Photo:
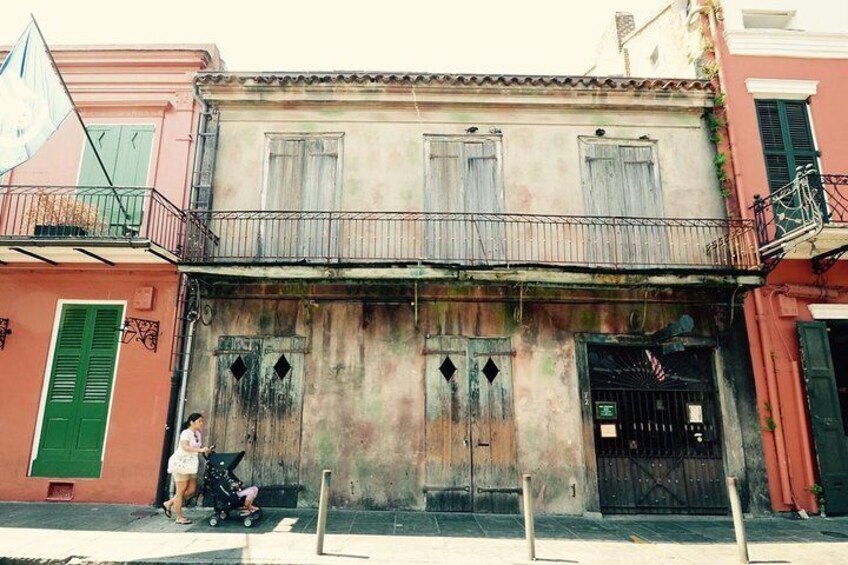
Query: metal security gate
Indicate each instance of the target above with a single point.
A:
(656, 429)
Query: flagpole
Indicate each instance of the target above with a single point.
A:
(82, 123)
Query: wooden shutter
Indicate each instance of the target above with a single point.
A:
(125, 151)
(483, 195)
(642, 193)
(77, 403)
(280, 235)
(825, 414)
(444, 193)
(786, 138)
(603, 186)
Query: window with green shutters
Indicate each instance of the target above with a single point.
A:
(787, 139)
(125, 152)
(76, 407)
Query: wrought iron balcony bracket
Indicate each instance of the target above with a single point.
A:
(144, 331)
(4, 331)
(822, 263)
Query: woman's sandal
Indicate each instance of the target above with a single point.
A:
(184, 522)
(167, 510)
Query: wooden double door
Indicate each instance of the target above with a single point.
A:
(470, 426)
(258, 409)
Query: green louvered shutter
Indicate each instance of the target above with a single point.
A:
(825, 415)
(77, 404)
(787, 139)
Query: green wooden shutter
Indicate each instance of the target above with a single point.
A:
(125, 151)
(77, 404)
(825, 415)
(787, 139)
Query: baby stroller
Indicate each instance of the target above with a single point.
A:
(220, 487)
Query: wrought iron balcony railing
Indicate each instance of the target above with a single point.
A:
(799, 211)
(472, 240)
(72, 215)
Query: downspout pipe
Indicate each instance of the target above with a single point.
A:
(176, 397)
(773, 399)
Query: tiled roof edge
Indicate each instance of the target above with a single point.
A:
(564, 81)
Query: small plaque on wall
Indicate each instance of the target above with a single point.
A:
(609, 430)
(606, 410)
(694, 413)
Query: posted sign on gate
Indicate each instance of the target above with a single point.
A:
(606, 410)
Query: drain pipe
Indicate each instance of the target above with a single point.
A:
(773, 398)
(176, 398)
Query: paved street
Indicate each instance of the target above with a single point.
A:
(82, 533)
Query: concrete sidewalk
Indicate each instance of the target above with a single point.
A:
(81, 533)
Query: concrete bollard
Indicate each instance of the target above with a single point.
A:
(738, 524)
(529, 527)
(322, 510)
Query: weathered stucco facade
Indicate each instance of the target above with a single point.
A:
(366, 366)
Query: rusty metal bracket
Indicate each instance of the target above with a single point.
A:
(427, 489)
(4, 331)
(500, 490)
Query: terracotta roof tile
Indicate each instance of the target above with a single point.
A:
(449, 79)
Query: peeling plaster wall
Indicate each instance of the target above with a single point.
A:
(363, 414)
(383, 165)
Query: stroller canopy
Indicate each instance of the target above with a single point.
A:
(228, 461)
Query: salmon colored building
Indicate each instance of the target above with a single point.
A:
(784, 69)
(88, 279)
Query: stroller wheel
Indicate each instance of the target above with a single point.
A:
(222, 514)
(248, 522)
(213, 521)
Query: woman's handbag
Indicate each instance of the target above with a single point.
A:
(182, 462)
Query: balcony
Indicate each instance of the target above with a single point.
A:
(806, 219)
(469, 242)
(81, 224)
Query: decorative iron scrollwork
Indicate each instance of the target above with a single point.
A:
(145, 331)
(4, 331)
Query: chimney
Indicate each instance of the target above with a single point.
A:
(624, 25)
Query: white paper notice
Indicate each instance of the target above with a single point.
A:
(696, 413)
(609, 430)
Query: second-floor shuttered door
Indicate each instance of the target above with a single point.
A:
(125, 152)
(787, 139)
(463, 178)
(304, 179)
(787, 145)
(621, 184)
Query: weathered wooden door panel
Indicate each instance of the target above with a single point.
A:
(470, 426)
(276, 449)
(447, 435)
(825, 415)
(494, 475)
(233, 425)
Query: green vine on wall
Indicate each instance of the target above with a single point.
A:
(771, 425)
(818, 491)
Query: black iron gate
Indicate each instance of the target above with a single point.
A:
(657, 430)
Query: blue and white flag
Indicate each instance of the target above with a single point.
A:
(33, 101)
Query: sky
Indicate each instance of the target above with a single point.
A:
(528, 36)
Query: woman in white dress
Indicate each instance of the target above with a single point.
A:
(183, 465)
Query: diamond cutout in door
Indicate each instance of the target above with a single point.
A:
(490, 370)
(282, 367)
(447, 368)
(238, 368)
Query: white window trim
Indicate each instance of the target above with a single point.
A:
(829, 311)
(762, 88)
(60, 305)
(787, 43)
